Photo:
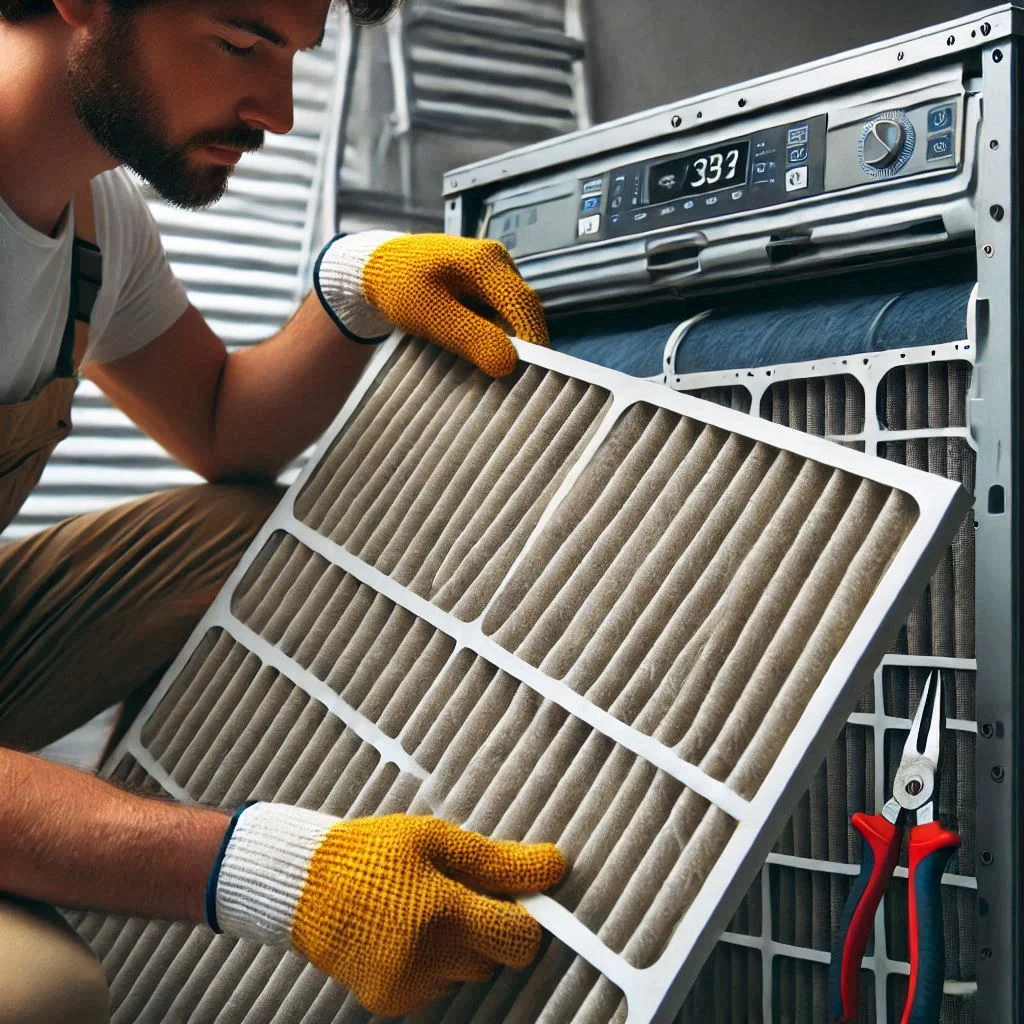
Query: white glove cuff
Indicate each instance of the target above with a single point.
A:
(264, 870)
(338, 279)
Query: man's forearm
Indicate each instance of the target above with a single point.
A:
(277, 398)
(73, 840)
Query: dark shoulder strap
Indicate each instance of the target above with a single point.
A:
(86, 278)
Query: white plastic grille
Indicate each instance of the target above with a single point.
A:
(630, 642)
(908, 406)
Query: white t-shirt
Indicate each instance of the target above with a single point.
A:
(139, 299)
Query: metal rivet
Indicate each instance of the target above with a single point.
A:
(997, 56)
(987, 728)
(899, 56)
(988, 251)
(914, 786)
(985, 28)
(676, 120)
(950, 40)
(998, 774)
(986, 857)
(996, 212)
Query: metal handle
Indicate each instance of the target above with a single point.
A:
(685, 247)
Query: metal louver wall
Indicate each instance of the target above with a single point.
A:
(909, 406)
(246, 264)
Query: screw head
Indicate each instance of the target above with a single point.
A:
(985, 28)
(986, 953)
(988, 251)
(987, 730)
(986, 857)
(994, 144)
(950, 40)
(676, 120)
(899, 56)
(997, 56)
(996, 212)
(998, 774)
(914, 786)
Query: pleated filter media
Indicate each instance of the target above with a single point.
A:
(568, 606)
(909, 406)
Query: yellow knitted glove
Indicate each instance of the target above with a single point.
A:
(391, 907)
(453, 291)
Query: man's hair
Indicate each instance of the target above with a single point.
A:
(363, 12)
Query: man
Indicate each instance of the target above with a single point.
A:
(92, 610)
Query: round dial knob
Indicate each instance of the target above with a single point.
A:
(883, 143)
(886, 144)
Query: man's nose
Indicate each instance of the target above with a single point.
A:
(272, 109)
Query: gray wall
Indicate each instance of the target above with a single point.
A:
(643, 53)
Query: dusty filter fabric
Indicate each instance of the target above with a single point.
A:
(562, 606)
(818, 847)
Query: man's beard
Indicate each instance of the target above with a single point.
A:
(113, 100)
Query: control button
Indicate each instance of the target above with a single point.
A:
(796, 179)
(764, 166)
(593, 185)
(637, 217)
(738, 194)
(617, 188)
(796, 155)
(940, 146)
(615, 218)
(589, 225)
(711, 200)
(688, 205)
(666, 210)
(883, 143)
(940, 118)
(797, 136)
(591, 203)
(616, 202)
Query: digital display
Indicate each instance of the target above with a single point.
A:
(524, 230)
(698, 172)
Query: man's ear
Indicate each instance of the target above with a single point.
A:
(76, 13)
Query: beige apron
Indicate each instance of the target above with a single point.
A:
(94, 608)
(30, 430)
(91, 612)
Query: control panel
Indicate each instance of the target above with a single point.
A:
(794, 160)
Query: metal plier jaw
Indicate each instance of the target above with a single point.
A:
(929, 848)
(913, 790)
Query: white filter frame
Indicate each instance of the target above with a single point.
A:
(654, 993)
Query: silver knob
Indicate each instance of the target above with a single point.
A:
(883, 143)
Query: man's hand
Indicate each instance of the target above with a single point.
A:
(453, 291)
(391, 907)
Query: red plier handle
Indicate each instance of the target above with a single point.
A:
(881, 852)
(930, 848)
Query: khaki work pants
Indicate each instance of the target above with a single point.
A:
(92, 611)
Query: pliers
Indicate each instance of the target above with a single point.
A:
(930, 847)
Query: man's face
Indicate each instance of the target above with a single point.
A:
(178, 90)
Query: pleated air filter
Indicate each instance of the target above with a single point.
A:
(910, 406)
(567, 606)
